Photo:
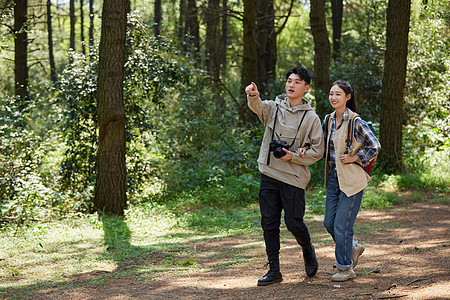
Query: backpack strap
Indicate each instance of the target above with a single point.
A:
(326, 123)
(350, 136)
(350, 132)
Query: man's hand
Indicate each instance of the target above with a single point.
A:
(251, 89)
(288, 155)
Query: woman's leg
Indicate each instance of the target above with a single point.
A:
(347, 210)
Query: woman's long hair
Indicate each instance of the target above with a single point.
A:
(348, 90)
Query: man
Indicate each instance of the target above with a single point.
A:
(290, 123)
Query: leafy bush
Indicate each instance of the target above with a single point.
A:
(149, 72)
(25, 194)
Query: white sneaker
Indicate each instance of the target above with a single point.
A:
(343, 275)
(356, 253)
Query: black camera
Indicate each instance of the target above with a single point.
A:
(276, 146)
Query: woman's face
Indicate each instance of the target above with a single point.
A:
(338, 98)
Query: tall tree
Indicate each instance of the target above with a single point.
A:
(110, 186)
(263, 27)
(72, 24)
(337, 8)
(192, 26)
(224, 37)
(192, 23)
(158, 18)
(182, 30)
(249, 65)
(91, 23)
(83, 46)
(20, 49)
(322, 55)
(50, 42)
(394, 79)
(212, 48)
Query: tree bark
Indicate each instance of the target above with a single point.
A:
(72, 24)
(20, 50)
(337, 8)
(83, 46)
(213, 50)
(182, 25)
(394, 80)
(224, 37)
(158, 18)
(50, 42)
(322, 55)
(110, 187)
(271, 47)
(249, 65)
(192, 22)
(262, 33)
(91, 24)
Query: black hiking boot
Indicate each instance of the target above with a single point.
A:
(311, 263)
(273, 276)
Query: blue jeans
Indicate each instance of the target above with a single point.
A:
(340, 216)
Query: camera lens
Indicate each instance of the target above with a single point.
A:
(278, 152)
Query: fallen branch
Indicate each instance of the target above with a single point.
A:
(418, 279)
(392, 297)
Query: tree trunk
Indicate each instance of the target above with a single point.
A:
(322, 55)
(72, 25)
(394, 80)
(50, 42)
(91, 24)
(224, 37)
(213, 49)
(262, 33)
(249, 66)
(271, 47)
(337, 7)
(182, 25)
(212, 39)
(110, 186)
(83, 47)
(20, 50)
(158, 18)
(193, 28)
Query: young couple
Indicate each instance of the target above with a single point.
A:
(293, 140)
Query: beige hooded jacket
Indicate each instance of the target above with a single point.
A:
(294, 172)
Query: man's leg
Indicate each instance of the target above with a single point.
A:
(293, 199)
(270, 207)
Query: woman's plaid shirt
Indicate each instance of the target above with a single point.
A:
(363, 134)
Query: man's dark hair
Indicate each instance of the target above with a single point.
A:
(301, 72)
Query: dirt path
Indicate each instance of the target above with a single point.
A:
(407, 257)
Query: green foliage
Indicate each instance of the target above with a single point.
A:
(428, 82)
(229, 193)
(149, 72)
(203, 145)
(25, 194)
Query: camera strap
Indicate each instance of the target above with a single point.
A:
(273, 131)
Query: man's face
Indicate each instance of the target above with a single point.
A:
(296, 87)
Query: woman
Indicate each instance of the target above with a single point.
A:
(345, 178)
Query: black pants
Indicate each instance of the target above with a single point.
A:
(274, 196)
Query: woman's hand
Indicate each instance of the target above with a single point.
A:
(348, 159)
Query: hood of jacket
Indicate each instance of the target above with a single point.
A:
(283, 101)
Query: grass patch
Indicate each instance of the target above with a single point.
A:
(148, 243)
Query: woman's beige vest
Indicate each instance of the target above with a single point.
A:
(352, 178)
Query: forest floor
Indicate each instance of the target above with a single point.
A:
(407, 256)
